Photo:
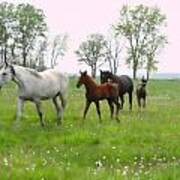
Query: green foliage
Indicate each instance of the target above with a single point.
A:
(114, 48)
(92, 52)
(145, 145)
(59, 47)
(20, 28)
(31, 25)
(142, 26)
(7, 27)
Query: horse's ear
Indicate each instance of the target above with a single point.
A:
(80, 72)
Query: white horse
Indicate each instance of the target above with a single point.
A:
(36, 86)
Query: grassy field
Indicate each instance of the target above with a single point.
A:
(144, 145)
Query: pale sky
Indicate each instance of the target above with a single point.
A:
(80, 18)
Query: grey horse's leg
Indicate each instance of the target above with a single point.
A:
(20, 104)
(63, 100)
(58, 109)
(39, 110)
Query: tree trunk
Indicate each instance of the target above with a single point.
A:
(148, 69)
(134, 71)
(24, 58)
(134, 74)
(93, 71)
(5, 53)
(135, 67)
(115, 67)
(13, 52)
(110, 65)
(52, 63)
(2, 54)
(147, 74)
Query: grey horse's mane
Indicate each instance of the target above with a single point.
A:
(33, 72)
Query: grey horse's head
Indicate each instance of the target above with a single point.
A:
(6, 73)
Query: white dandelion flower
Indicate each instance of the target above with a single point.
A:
(5, 161)
(99, 164)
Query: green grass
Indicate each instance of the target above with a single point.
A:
(144, 145)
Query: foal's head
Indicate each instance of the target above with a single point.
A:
(105, 76)
(6, 73)
(144, 81)
(82, 79)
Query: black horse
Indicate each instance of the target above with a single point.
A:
(124, 82)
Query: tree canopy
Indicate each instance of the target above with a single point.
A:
(139, 24)
(92, 52)
(20, 28)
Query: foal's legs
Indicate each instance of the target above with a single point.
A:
(144, 102)
(111, 107)
(19, 108)
(58, 109)
(86, 108)
(98, 109)
(139, 101)
(39, 110)
(118, 105)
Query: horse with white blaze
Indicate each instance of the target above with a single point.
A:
(36, 86)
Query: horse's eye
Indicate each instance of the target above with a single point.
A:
(4, 74)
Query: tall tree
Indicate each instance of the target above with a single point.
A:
(151, 50)
(138, 24)
(31, 25)
(92, 52)
(59, 47)
(114, 48)
(6, 27)
(40, 55)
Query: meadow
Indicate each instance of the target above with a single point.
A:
(144, 145)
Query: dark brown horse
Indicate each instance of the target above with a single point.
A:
(124, 82)
(141, 93)
(95, 93)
